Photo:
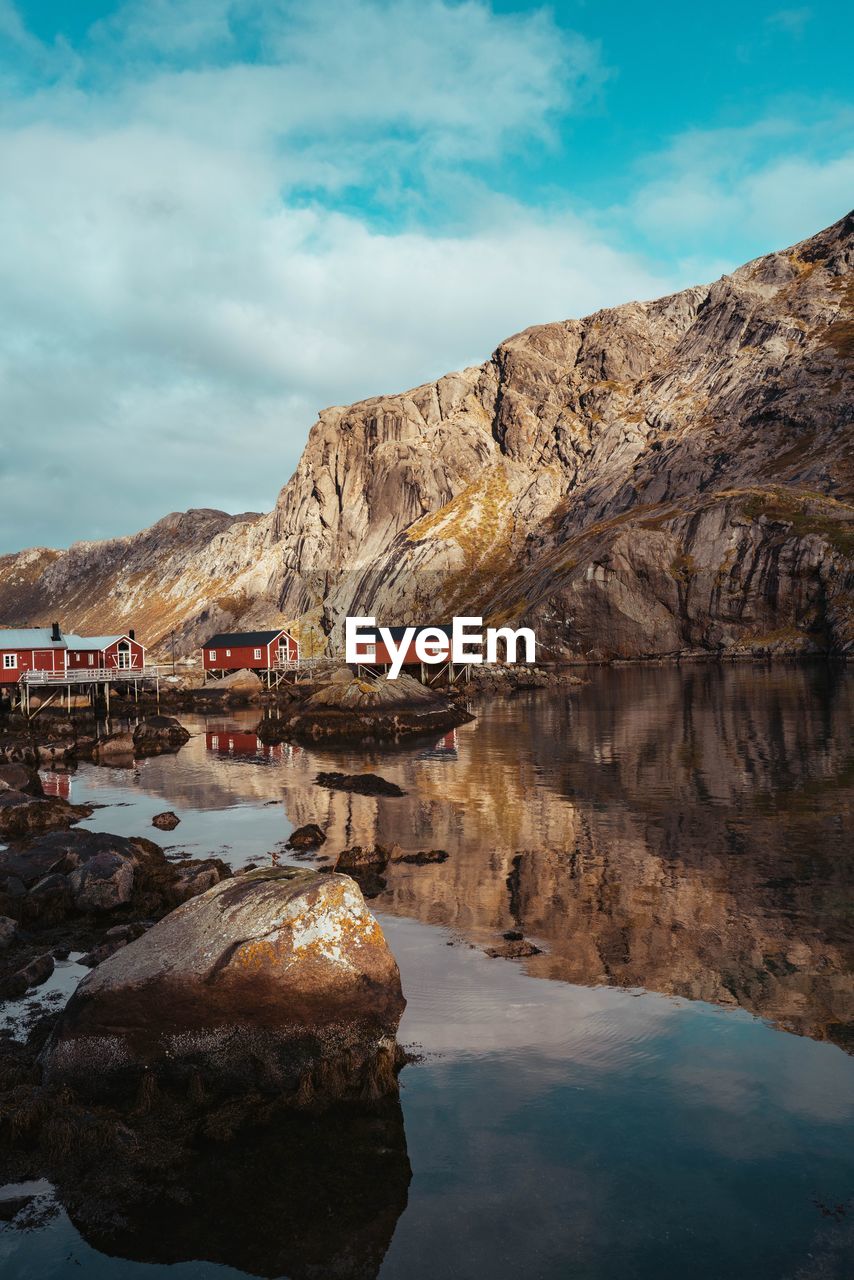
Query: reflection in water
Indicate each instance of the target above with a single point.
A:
(690, 834)
(305, 1197)
(679, 842)
(685, 832)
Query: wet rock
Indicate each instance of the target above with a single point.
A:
(8, 932)
(515, 948)
(423, 857)
(104, 882)
(196, 879)
(32, 975)
(158, 735)
(48, 901)
(309, 836)
(350, 859)
(279, 980)
(20, 777)
(24, 815)
(167, 821)
(118, 748)
(363, 784)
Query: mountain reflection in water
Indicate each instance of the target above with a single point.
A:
(684, 831)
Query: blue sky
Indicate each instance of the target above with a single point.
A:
(219, 216)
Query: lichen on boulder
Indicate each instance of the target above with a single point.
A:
(279, 980)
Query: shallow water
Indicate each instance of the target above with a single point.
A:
(664, 1090)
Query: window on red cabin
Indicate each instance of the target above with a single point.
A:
(91, 659)
(10, 661)
(212, 655)
(256, 653)
(228, 653)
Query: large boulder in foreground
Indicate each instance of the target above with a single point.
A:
(279, 980)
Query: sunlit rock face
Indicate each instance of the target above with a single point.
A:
(278, 980)
(660, 477)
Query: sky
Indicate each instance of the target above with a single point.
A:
(219, 216)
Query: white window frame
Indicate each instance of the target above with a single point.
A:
(10, 662)
(256, 654)
(228, 653)
(211, 655)
(91, 659)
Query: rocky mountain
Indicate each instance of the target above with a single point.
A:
(663, 477)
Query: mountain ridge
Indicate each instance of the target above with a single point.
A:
(657, 478)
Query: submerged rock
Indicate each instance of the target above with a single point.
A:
(363, 784)
(158, 735)
(422, 857)
(167, 821)
(309, 836)
(353, 859)
(279, 980)
(515, 947)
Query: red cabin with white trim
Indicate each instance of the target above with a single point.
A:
(30, 649)
(250, 650)
(121, 653)
(379, 655)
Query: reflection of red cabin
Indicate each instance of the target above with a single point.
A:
(30, 649)
(253, 650)
(238, 742)
(123, 653)
(56, 784)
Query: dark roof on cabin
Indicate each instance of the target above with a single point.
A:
(242, 639)
(397, 633)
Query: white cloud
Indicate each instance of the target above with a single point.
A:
(172, 316)
(155, 291)
(770, 183)
(179, 294)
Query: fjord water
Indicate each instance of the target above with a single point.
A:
(666, 1089)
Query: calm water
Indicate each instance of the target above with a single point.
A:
(664, 1091)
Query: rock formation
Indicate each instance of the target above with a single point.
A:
(356, 710)
(658, 478)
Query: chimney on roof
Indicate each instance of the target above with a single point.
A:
(55, 633)
(131, 634)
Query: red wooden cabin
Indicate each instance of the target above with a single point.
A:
(122, 653)
(382, 657)
(250, 650)
(47, 649)
(30, 649)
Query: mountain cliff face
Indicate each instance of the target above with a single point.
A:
(663, 477)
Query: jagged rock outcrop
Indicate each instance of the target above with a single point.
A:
(657, 478)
